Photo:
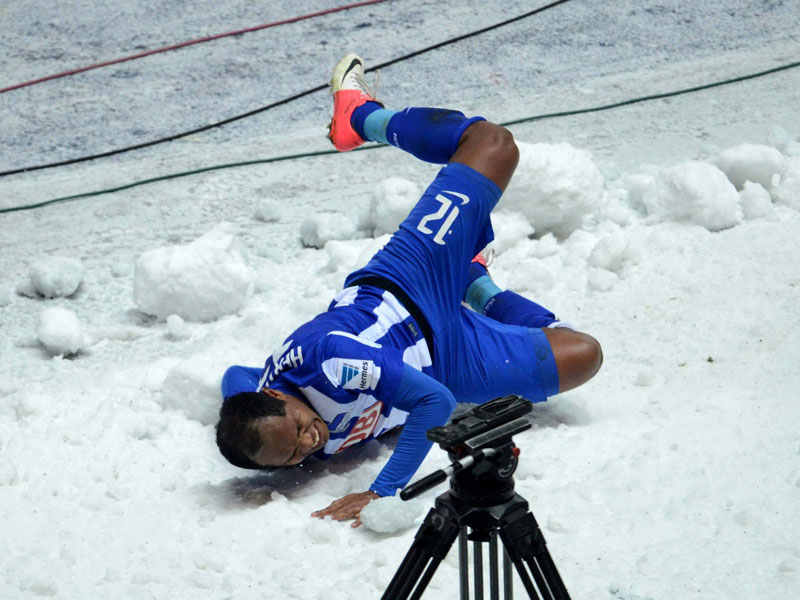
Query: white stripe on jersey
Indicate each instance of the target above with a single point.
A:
(418, 355)
(326, 406)
(346, 297)
(389, 312)
(369, 343)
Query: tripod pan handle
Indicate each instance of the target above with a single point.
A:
(424, 484)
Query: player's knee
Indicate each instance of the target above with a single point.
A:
(591, 356)
(499, 143)
(578, 356)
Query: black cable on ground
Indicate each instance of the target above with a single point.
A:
(698, 88)
(297, 96)
(376, 146)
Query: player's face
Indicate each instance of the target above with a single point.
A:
(292, 437)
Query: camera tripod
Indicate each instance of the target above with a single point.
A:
(480, 506)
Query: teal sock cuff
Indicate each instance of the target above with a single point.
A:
(480, 292)
(376, 123)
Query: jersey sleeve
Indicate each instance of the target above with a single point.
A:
(239, 379)
(344, 367)
(429, 404)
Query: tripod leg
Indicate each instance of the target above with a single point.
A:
(431, 544)
(508, 581)
(463, 564)
(494, 576)
(526, 546)
(477, 561)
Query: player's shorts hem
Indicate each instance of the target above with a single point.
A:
(545, 362)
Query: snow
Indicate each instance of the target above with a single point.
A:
(556, 187)
(204, 280)
(57, 276)
(393, 199)
(694, 192)
(60, 331)
(667, 229)
(786, 190)
(750, 162)
(391, 515)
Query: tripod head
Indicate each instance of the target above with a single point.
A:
(481, 450)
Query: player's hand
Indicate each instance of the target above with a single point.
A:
(348, 507)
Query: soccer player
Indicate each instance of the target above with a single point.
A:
(396, 346)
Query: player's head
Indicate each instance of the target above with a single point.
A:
(268, 429)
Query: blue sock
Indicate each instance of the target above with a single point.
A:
(370, 121)
(511, 308)
(430, 134)
(480, 292)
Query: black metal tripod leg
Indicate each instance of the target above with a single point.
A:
(431, 544)
(526, 546)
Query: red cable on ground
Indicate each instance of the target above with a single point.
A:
(189, 43)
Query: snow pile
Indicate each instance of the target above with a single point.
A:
(390, 514)
(787, 189)
(510, 228)
(391, 202)
(750, 162)
(201, 281)
(268, 210)
(177, 328)
(57, 276)
(60, 332)
(756, 202)
(694, 192)
(321, 227)
(613, 253)
(192, 388)
(555, 187)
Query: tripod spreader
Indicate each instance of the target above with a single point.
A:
(437, 477)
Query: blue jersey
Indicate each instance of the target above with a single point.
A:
(347, 363)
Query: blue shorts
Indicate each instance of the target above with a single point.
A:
(477, 358)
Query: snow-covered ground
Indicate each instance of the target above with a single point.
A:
(666, 229)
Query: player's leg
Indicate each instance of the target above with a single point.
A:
(578, 356)
(434, 135)
(428, 256)
(482, 359)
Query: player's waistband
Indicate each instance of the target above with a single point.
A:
(398, 292)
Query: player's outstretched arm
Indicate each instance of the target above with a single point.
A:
(429, 404)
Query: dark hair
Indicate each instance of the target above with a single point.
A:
(237, 436)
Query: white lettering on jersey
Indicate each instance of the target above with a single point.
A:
(446, 203)
(284, 357)
(352, 373)
(364, 426)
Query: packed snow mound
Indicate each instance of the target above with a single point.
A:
(268, 210)
(694, 192)
(555, 186)
(787, 189)
(756, 202)
(60, 332)
(613, 253)
(57, 276)
(201, 281)
(750, 162)
(192, 387)
(322, 227)
(510, 228)
(390, 514)
(391, 202)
